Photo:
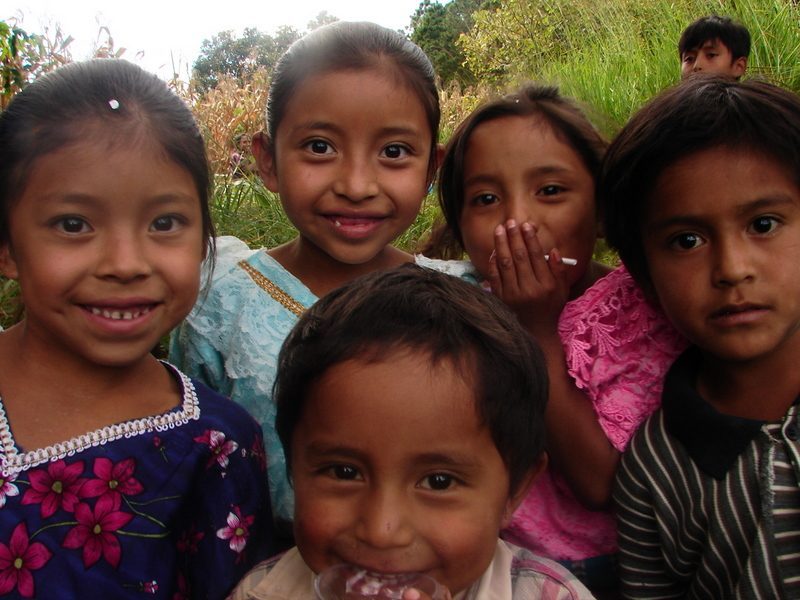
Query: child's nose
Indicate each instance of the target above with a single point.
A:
(122, 257)
(356, 179)
(519, 209)
(384, 522)
(733, 263)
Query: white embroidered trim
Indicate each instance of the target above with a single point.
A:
(14, 463)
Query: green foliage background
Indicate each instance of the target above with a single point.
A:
(611, 55)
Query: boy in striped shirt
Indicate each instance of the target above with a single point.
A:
(701, 197)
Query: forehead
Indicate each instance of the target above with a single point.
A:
(714, 44)
(720, 181)
(376, 93)
(402, 391)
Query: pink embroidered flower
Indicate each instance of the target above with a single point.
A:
(259, 453)
(220, 447)
(7, 488)
(58, 486)
(189, 541)
(18, 559)
(237, 531)
(183, 588)
(113, 479)
(94, 531)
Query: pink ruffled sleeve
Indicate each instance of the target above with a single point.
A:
(618, 349)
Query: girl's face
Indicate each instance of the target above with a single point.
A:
(106, 242)
(518, 168)
(350, 161)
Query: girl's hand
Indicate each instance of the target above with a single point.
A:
(536, 289)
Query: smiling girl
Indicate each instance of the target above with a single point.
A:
(119, 475)
(350, 146)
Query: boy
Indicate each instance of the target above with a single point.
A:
(714, 45)
(410, 406)
(701, 197)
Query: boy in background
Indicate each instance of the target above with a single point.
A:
(714, 45)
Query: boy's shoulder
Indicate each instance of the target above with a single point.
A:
(531, 575)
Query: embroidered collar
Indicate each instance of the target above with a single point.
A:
(714, 440)
(13, 462)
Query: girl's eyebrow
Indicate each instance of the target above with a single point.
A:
(317, 450)
(742, 210)
(538, 171)
(336, 128)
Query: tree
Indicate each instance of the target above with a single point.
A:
(24, 56)
(436, 28)
(239, 57)
(323, 18)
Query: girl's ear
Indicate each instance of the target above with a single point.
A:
(522, 490)
(265, 160)
(8, 266)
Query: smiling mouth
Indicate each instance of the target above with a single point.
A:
(117, 314)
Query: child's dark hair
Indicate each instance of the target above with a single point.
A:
(440, 317)
(733, 35)
(562, 115)
(65, 106)
(343, 46)
(752, 116)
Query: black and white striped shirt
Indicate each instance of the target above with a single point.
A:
(708, 505)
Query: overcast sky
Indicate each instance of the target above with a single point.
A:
(160, 33)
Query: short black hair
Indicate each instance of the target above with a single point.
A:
(734, 35)
(700, 113)
(437, 315)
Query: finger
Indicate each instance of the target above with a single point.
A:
(557, 266)
(505, 264)
(493, 275)
(525, 275)
(539, 264)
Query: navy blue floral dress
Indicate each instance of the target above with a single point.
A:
(170, 506)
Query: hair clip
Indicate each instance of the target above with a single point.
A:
(113, 103)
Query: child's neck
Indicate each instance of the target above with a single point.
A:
(762, 389)
(322, 273)
(51, 395)
(594, 271)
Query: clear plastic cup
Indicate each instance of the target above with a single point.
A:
(346, 582)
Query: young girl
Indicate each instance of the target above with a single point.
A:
(119, 475)
(517, 190)
(350, 146)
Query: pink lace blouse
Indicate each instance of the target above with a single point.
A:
(618, 349)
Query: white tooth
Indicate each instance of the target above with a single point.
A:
(116, 315)
(96, 311)
(337, 223)
(145, 311)
(127, 316)
(106, 314)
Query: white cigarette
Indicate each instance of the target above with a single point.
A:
(564, 260)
